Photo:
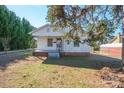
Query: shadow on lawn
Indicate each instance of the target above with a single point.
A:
(93, 62)
(7, 59)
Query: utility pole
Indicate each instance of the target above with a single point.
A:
(123, 40)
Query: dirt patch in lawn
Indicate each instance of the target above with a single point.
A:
(112, 77)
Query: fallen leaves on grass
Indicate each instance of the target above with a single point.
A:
(112, 77)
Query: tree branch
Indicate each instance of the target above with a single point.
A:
(84, 11)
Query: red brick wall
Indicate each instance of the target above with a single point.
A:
(111, 51)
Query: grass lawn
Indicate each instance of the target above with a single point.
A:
(30, 71)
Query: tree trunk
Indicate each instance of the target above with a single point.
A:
(123, 40)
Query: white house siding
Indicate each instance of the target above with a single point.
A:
(45, 32)
(70, 47)
(42, 34)
(42, 45)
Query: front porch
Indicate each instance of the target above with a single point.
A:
(49, 43)
(48, 53)
(50, 46)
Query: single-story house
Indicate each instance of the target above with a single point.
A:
(50, 41)
(113, 48)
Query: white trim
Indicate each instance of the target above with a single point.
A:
(112, 45)
(38, 29)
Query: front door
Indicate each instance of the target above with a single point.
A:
(59, 44)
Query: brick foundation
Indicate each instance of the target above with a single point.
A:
(63, 54)
(44, 54)
(75, 54)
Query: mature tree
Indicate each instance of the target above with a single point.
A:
(99, 22)
(4, 27)
(14, 31)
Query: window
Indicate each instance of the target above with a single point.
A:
(59, 42)
(50, 43)
(48, 29)
(76, 43)
(67, 42)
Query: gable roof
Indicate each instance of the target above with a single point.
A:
(117, 39)
(46, 25)
(61, 32)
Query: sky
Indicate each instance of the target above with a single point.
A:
(35, 14)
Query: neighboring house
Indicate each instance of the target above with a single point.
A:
(113, 48)
(49, 41)
(117, 39)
